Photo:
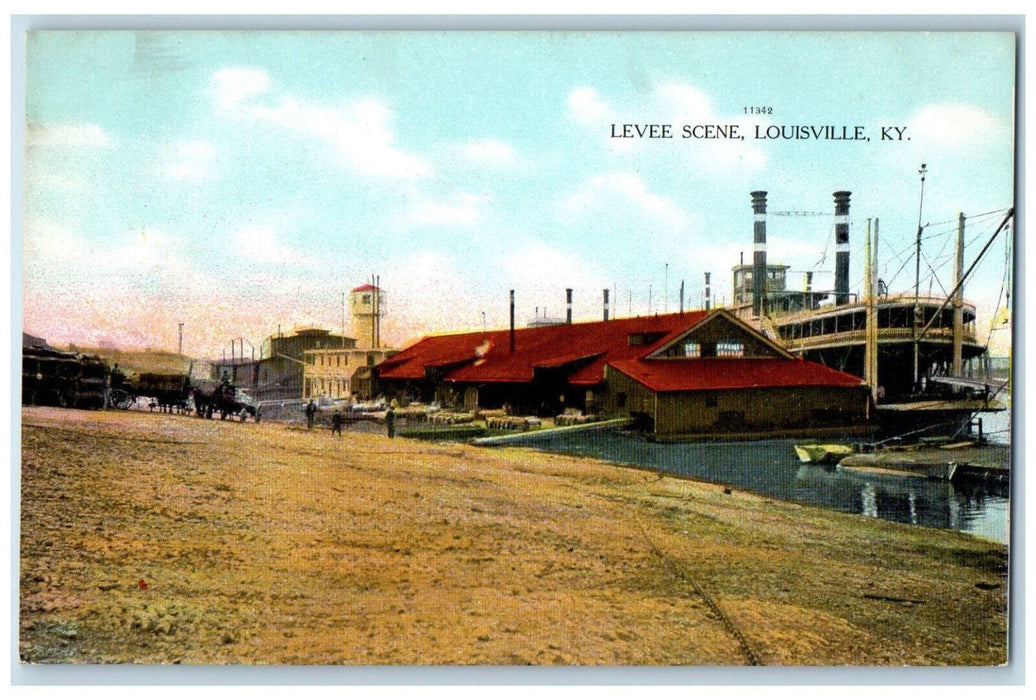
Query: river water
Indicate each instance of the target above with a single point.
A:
(771, 468)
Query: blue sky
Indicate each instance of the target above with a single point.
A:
(240, 181)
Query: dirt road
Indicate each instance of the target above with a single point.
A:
(153, 538)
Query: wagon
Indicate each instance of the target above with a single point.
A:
(168, 392)
(211, 397)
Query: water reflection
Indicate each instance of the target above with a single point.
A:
(770, 467)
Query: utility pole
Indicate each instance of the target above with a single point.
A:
(917, 284)
(180, 347)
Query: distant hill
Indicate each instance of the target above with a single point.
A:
(140, 361)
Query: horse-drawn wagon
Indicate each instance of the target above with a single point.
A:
(166, 392)
(210, 397)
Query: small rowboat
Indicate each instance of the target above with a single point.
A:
(822, 453)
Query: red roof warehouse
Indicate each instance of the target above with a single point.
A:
(692, 373)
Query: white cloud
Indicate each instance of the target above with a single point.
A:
(36, 175)
(47, 240)
(360, 132)
(462, 209)
(234, 86)
(416, 302)
(586, 107)
(151, 248)
(68, 136)
(489, 153)
(953, 124)
(190, 160)
(624, 191)
(685, 102)
(259, 244)
(538, 266)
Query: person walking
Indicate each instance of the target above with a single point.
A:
(390, 422)
(311, 413)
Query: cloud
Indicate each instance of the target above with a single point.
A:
(234, 86)
(953, 124)
(539, 266)
(36, 176)
(360, 132)
(463, 209)
(150, 249)
(488, 153)
(586, 107)
(47, 240)
(67, 136)
(190, 160)
(624, 192)
(259, 244)
(108, 267)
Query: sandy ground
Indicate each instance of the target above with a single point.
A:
(152, 538)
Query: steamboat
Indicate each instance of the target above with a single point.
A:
(921, 356)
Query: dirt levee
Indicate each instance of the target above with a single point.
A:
(151, 538)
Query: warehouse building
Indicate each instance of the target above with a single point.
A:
(684, 374)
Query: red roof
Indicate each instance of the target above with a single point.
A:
(366, 288)
(695, 374)
(584, 347)
(580, 352)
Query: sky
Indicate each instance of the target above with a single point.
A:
(241, 182)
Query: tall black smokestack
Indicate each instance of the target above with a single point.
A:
(512, 321)
(568, 302)
(605, 304)
(842, 247)
(708, 291)
(759, 256)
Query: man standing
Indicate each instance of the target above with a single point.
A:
(337, 419)
(311, 413)
(390, 422)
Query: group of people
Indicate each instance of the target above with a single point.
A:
(338, 419)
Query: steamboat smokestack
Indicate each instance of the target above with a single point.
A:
(708, 291)
(809, 282)
(605, 304)
(568, 306)
(759, 256)
(842, 247)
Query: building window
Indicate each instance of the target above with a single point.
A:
(711, 401)
(691, 349)
(620, 399)
(730, 348)
(638, 339)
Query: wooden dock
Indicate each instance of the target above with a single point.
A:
(550, 432)
(950, 462)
